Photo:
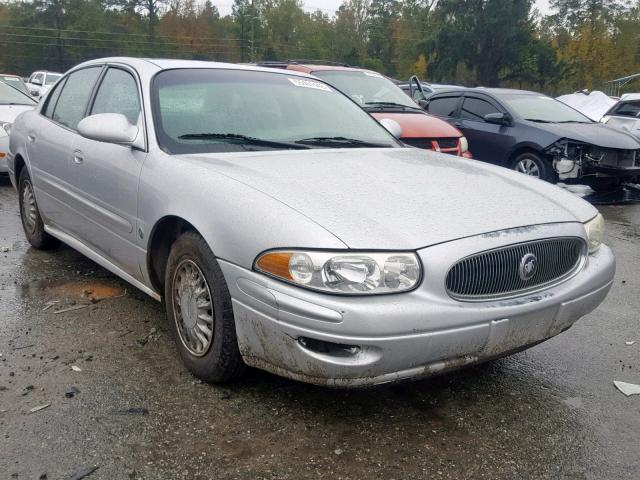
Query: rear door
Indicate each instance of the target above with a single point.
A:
(49, 146)
(105, 175)
(487, 141)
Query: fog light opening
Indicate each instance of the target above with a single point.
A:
(328, 348)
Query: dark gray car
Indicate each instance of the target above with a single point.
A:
(539, 136)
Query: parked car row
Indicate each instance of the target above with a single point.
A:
(539, 136)
(13, 101)
(294, 233)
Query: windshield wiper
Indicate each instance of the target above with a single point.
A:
(340, 142)
(241, 139)
(391, 105)
(539, 120)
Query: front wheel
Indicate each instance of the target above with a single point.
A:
(199, 310)
(533, 165)
(32, 223)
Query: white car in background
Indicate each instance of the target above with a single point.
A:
(12, 103)
(40, 82)
(625, 115)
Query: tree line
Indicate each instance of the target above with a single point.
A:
(580, 44)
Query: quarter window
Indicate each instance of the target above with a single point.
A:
(476, 109)
(74, 97)
(118, 93)
(443, 106)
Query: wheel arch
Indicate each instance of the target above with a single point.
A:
(163, 235)
(524, 148)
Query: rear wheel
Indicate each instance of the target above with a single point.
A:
(533, 165)
(30, 215)
(199, 310)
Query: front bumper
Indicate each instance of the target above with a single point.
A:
(408, 335)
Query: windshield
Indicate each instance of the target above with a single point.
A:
(14, 82)
(540, 108)
(366, 88)
(12, 96)
(52, 78)
(215, 110)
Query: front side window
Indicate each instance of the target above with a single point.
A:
(367, 88)
(216, 110)
(443, 106)
(476, 109)
(118, 93)
(71, 104)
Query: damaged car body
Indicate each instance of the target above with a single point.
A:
(539, 136)
(296, 234)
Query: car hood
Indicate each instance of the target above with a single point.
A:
(420, 125)
(8, 113)
(399, 198)
(596, 134)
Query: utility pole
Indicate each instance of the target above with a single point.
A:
(253, 31)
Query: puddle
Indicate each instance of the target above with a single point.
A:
(86, 291)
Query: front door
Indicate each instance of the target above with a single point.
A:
(105, 176)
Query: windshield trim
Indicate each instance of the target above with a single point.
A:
(155, 107)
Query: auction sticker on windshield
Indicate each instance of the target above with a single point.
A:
(299, 82)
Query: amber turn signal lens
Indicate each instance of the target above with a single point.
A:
(276, 263)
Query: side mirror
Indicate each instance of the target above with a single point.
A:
(34, 93)
(497, 118)
(108, 128)
(392, 127)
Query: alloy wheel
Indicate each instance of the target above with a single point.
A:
(29, 208)
(192, 308)
(528, 166)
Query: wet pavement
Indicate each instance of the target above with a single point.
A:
(131, 409)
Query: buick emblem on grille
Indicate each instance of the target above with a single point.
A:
(528, 266)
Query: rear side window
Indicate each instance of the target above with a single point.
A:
(118, 93)
(476, 109)
(71, 105)
(443, 106)
(52, 100)
(627, 109)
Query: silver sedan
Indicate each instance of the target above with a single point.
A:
(288, 230)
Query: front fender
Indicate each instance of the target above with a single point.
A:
(237, 221)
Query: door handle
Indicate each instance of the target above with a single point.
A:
(457, 124)
(78, 157)
(31, 138)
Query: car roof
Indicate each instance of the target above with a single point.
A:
(496, 92)
(10, 75)
(158, 64)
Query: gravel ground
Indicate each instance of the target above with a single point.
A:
(131, 409)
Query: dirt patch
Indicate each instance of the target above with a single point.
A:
(89, 291)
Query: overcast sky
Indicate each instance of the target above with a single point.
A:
(330, 6)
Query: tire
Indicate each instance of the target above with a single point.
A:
(30, 215)
(197, 301)
(533, 165)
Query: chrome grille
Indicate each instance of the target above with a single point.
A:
(497, 273)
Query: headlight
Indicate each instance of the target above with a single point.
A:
(464, 145)
(6, 126)
(595, 232)
(343, 272)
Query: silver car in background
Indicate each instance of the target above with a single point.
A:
(286, 229)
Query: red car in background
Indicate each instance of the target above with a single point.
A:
(383, 99)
